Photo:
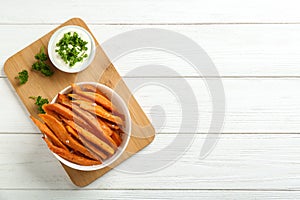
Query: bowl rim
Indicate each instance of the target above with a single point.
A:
(85, 63)
(119, 151)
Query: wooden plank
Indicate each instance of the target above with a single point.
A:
(236, 50)
(100, 70)
(239, 161)
(148, 194)
(137, 11)
(252, 105)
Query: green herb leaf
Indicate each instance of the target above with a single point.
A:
(39, 101)
(22, 76)
(40, 64)
(71, 48)
(41, 56)
(47, 71)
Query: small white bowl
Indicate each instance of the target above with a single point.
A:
(55, 58)
(122, 108)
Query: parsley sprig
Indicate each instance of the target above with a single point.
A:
(40, 64)
(72, 48)
(22, 77)
(40, 101)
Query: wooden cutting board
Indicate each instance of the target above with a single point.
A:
(101, 70)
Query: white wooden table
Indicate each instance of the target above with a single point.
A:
(255, 46)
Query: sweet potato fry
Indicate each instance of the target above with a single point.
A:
(91, 120)
(84, 125)
(116, 137)
(70, 156)
(95, 140)
(111, 125)
(89, 145)
(105, 127)
(91, 88)
(73, 133)
(98, 98)
(65, 113)
(78, 97)
(99, 111)
(63, 98)
(106, 130)
(51, 112)
(62, 134)
(100, 154)
(99, 131)
(71, 124)
(88, 118)
(59, 109)
(45, 130)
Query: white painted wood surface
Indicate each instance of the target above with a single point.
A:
(238, 162)
(148, 194)
(255, 46)
(147, 12)
(255, 50)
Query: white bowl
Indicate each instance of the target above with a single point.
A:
(122, 108)
(55, 58)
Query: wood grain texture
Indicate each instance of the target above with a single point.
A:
(100, 70)
(238, 162)
(156, 11)
(253, 50)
